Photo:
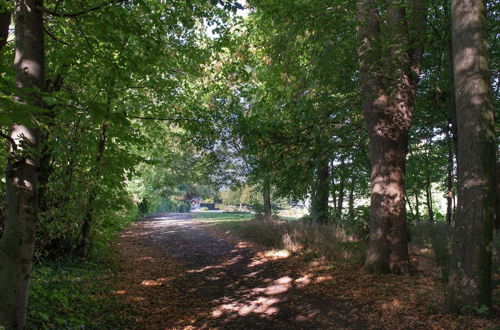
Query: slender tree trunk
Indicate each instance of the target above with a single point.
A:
(319, 202)
(469, 285)
(266, 194)
(17, 243)
(454, 205)
(334, 197)
(46, 169)
(88, 220)
(428, 194)
(497, 213)
(417, 206)
(341, 198)
(409, 204)
(4, 33)
(351, 199)
(388, 109)
(4, 27)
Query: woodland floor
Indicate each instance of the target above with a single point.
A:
(175, 274)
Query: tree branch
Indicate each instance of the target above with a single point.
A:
(83, 12)
(10, 139)
(158, 118)
(50, 34)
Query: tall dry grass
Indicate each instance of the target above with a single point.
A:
(315, 240)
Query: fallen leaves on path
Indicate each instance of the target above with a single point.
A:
(240, 286)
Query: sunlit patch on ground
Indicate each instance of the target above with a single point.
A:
(395, 304)
(263, 257)
(157, 282)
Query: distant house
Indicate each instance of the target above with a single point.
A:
(195, 204)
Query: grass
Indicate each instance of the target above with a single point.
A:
(296, 236)
(71, 294)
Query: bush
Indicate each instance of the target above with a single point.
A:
(66, 294)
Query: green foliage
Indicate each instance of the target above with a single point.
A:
(71, 294)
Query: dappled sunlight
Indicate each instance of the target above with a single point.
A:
(395, 304)
(230, 262)
(321, 279)
(263, 257)
(207, 276)
(258, 300)
(262, 305)
(158, 282)
(303, 281)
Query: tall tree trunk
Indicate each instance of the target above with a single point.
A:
(351, 199)
(428, 194)
(388, 108)
(4, 27)
(409, 204)
(417, 206)
(497, 213)
(4, 33)
(266, 194)
(469, 285)
(88, 220)
(17, 243)
(452, 109)
(341, 198)
(334, 197)
(319, 202)
(46, 169)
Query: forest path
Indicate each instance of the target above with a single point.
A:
(177, 275)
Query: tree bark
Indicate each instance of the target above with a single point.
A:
(17, 243)
(5, 17)
(388, 108)
(469, 285)
(319, 201)
(428, 194)
(4, 33)
(497, 213)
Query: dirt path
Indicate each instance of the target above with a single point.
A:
(179, 276)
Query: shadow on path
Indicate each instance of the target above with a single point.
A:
(179, 276)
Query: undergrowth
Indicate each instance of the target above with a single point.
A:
(71, 293)
(297, 236)
(67, 294)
